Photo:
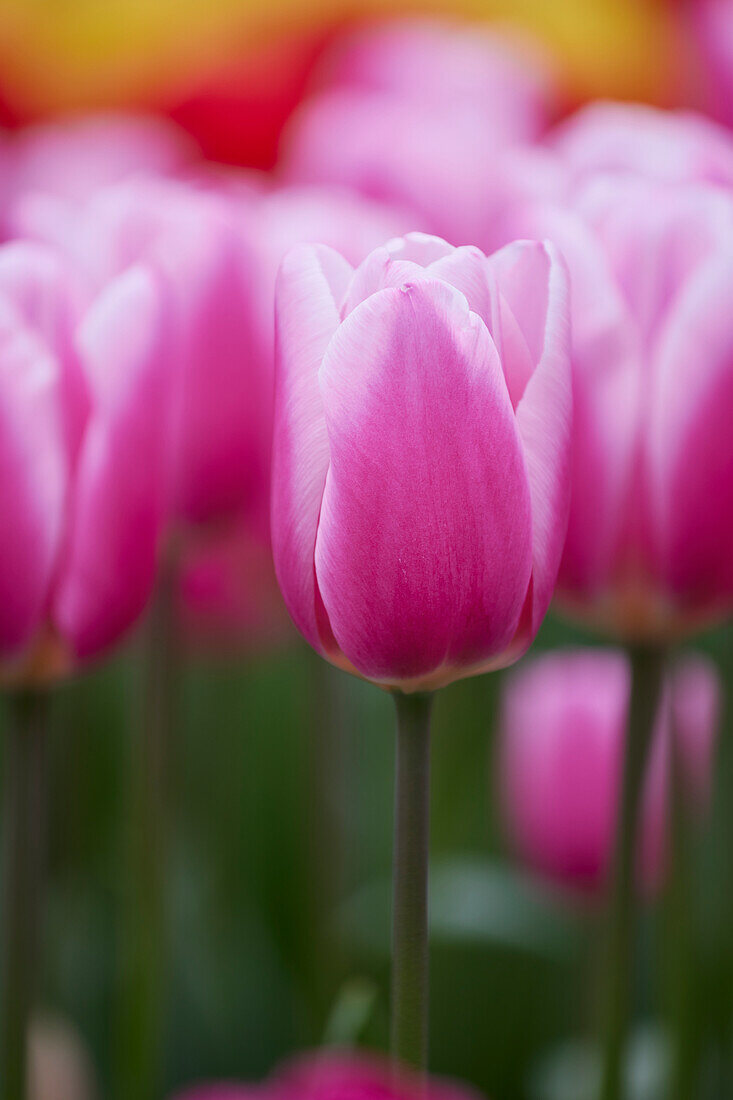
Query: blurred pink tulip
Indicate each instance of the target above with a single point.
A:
(221, 388)
(649, 552)
(228, 586)
(561, 744)
(416, 113)
(81, 460)
(335, 1076)
(72, 158)
(421, 462)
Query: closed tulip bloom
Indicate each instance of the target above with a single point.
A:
(336, 1077)
(229, 593)
(222, 390)
(563, 728)
(401, 91)
(650, 537)
(82, 459)
(421, 454)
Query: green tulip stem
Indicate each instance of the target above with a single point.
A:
(681, 940)
(647, 664)
(23, 829)
(410, 902)
(145, 947)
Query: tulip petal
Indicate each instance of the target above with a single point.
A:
(33, 481)
(533, 281)
(311, 282)
(606, 376)
(690, 452)
(37, 284)
(424, 540)
(118, 504)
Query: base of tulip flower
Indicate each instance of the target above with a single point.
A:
(23, 827)
(647, 668)
(409, 1030)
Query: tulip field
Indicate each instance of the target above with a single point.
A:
(366, 551)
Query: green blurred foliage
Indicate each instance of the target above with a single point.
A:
(278, 882)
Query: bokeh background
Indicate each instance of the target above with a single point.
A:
(279, 835)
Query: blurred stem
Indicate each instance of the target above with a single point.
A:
(146, 948)
(410, 904)
(327, 787)
(647, 663)
(23, 826)
(680, 942)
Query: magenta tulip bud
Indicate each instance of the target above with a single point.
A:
(82, 462)
(403, 90)
(329, 1076)
(563, 726)
(421, 462)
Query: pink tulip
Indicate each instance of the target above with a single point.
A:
(72, 158)
(649, 551)
(81, 460)
(221, 387)
(329, 1076)
(228, 587)
(562, 734)
(420, 481)
(416, 113)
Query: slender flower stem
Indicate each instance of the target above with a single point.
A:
(680, 948)
(647, 664)
(23, 827)
(410, 912)
(145, 955)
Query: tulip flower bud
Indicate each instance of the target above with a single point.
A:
(336, 1077)
(403, 90)
(421, 454)
(563, 729)
(81, 460)
(649, 552)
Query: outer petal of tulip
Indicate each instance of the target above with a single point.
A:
(532, 281)
(118, 503)
(690, 455)
(423, 554)
(33, 479)
(41, 290)
(605, 383)
(310, 285)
